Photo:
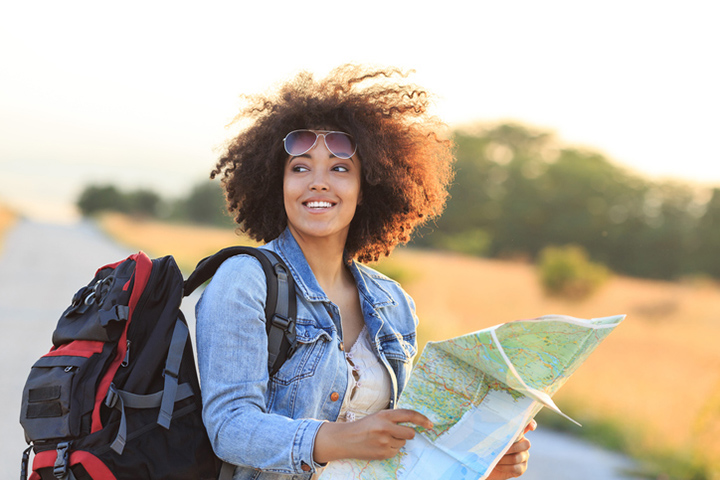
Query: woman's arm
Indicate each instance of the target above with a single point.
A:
(232, 360)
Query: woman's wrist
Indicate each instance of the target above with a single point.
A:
(328, 443)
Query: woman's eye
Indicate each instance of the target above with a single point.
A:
(340, 168)
(299, 168)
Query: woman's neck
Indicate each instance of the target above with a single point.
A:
(325, 256)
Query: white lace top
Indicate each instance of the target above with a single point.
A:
(369, 383)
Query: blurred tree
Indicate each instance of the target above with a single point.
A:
(143, 202)
(705, 250)
(517, 190)
(98, 198)
(591, 202)
(670, 226)
(206, 205)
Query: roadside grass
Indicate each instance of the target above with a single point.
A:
(626, 436)
(651, 389)
(7, 220)
(188, 244)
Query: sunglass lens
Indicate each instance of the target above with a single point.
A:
(299, 142)
(340, 144)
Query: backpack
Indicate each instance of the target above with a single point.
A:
(117, 396)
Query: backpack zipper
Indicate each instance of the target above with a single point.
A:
(126, 360)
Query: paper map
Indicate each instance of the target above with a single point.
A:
(480, 390)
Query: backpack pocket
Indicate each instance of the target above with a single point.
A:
(98, 311)
(57, 402)
(101, 325)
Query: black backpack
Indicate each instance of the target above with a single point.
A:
(117, 396)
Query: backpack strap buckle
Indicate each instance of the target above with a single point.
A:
(60, 469)
(112, 396)
(281, 321)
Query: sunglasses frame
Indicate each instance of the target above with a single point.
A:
(318, 134)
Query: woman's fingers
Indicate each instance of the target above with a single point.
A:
(514, 462)
(522, 445)
(374, 437)
(391, 420)
(404, 415)
(530, 427)
(517, 453)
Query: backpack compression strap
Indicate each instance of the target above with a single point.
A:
(280, 305)
(165, 399)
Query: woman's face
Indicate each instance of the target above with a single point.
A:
(321, 192)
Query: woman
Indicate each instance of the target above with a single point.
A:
(330, 173)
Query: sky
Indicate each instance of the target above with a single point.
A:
(140, 93)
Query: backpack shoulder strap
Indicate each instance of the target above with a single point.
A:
(281, 321)
(280, 304)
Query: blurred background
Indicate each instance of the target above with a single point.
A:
(588, 172)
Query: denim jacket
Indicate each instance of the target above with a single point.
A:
(268, 425)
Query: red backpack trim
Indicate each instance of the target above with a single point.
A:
(77, 348)
(93, 465)
(143, 268)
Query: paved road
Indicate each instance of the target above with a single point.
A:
(557, 456)
(41, 267)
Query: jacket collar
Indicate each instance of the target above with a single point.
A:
(307, 285)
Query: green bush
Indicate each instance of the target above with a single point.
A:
(568, 272)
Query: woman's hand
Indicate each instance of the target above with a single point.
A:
(514, 462)
(375, 437)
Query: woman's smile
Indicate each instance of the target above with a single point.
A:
(318, 204)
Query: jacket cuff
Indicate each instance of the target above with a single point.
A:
(304, 446)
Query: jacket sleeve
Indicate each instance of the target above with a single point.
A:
(232, 360)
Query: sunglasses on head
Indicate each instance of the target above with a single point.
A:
(340, 144)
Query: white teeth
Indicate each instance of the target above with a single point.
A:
(319, 204)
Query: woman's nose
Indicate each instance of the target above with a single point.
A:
(319, 181)
(321, 155)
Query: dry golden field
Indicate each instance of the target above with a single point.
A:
(188, 244)
(7, 220)
(656, 379)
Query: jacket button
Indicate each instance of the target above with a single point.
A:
(305, 467)
(341, 346)
(334, 396)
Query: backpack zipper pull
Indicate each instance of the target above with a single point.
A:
(127, 356)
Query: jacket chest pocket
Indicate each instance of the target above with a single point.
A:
(399, 351)
(399, 348)
(311, 347)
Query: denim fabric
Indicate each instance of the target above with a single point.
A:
(268, 425)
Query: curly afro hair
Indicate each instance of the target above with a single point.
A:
(406, 154)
